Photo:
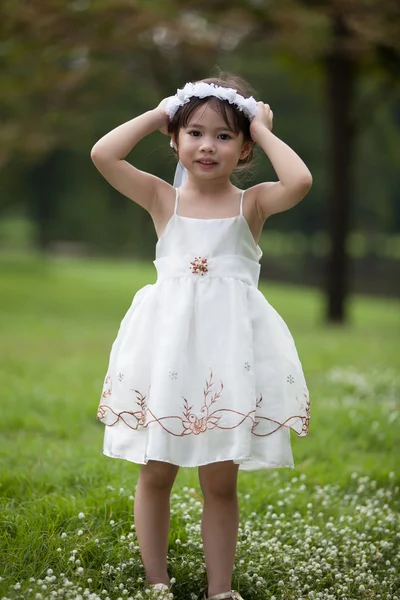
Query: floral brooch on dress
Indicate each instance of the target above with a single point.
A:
(199, 265)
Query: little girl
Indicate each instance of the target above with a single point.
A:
(203, 372)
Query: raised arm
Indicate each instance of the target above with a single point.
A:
(295, 179)
(109, 152)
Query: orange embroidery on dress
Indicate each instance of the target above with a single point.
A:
(139, 416)
(305, 420)
(199, 265)
(191, 423)
(107, 388)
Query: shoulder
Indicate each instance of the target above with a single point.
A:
(272, 197)
(164, 199)
(142, 188)
(163, 205)
(250, 205)
(251, 213)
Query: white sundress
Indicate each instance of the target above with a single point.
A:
(203, 368)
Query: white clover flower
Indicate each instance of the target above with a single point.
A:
(80, 532)
(64, 535)
(81, 515)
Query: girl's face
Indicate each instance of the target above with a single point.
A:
(207, 147)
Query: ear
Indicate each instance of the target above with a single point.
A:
(173, 144)
(246, 149)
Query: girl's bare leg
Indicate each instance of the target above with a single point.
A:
(152, 516)
(220, 522)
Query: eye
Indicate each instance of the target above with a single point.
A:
(194, 133)
(224, 136)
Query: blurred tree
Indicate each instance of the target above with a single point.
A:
(58, 61)
(363, 34)
(55, 62)
(345, 37)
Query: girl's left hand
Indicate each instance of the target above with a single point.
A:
(164, 119)
(264, 117)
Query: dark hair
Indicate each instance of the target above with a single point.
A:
(233, 117)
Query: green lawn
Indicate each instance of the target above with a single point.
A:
(58, 320)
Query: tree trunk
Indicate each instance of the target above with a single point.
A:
(45, 181)
(341, 73)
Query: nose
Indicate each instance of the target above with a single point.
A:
(207, 144)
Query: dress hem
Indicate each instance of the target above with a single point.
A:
(235, 460)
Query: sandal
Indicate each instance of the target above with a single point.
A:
(160, 591)
(232, 595)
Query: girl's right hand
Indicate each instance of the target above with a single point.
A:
(164, 118)
(264, 118)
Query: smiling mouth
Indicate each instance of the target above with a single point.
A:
(206, 162)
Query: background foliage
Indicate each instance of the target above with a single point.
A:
(71, 71)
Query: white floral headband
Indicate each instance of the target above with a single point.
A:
(201, 89)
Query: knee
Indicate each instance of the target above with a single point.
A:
(218, 490)
(158, 475)
(219, 483)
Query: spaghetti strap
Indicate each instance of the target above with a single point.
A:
(176, 200)
(241, 203)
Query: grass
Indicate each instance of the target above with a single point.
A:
(58, 319)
